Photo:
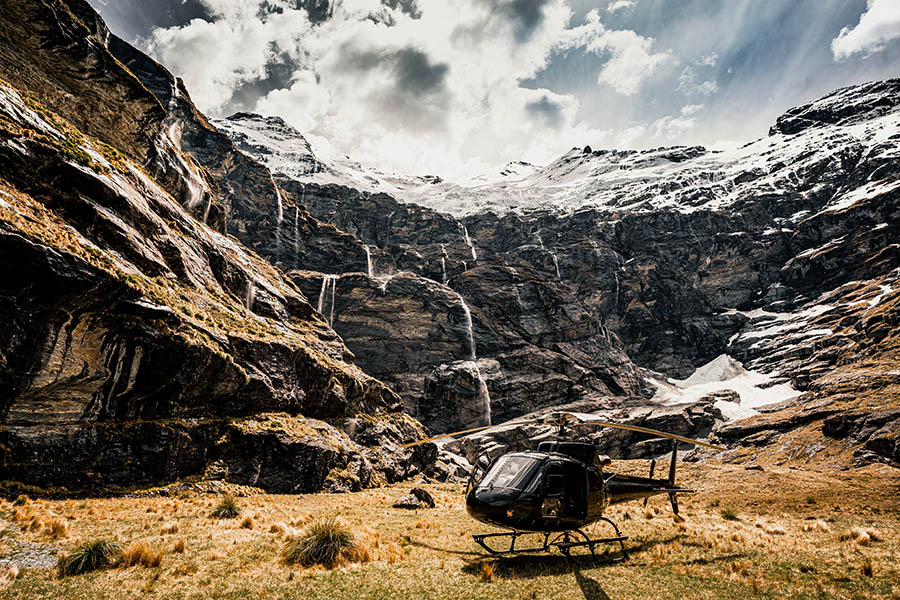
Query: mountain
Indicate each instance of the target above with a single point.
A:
(210, 299)
(779, 256)
(144, 341)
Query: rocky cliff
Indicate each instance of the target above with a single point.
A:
(142, 341)
(779, 254)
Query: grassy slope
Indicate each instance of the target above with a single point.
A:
(429, 554)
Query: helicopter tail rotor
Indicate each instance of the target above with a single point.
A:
(673, 496)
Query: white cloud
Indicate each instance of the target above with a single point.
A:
(689, 84)
(631, 59)
(621, 5)
(691, 109)
(877, 26)
(436, 92)
(671, 129)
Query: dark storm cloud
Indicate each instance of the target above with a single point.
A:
(413, 71)
(546, 109)
(416, 73)
(279, 75)
(133, 19)
(525, 15)
(410, 7)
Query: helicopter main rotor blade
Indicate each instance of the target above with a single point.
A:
(446, 435)
(653, 432)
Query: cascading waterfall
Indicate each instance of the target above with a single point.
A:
(469, 242)
(279, 218)
(369, 269)
(297, 235)
(484, 397)
(249, 295)
(173, 100)
(552, 254)
(206, 210)
(280, 206)
(328, 282)
(443, 264)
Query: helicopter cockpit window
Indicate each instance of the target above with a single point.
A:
(511, 472)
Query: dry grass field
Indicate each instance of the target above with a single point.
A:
(778, 533)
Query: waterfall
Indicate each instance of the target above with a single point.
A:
(540, 240)
(444, 264)
(297, 235)
(469, 243)
(279, 217)
(173, 100)
(249, 294)
(280, 205)
(484, 397)
(328, 281)
(369, 270)
(206, 210)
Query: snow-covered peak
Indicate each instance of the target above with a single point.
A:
(844, 106)
(861, 121)
(273, 142)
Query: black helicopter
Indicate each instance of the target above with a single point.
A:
(558, 489)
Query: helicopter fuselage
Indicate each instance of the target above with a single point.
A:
(557, 488)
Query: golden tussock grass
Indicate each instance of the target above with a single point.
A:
(141, 554)
(247, 522)
(8, 574)
(169, 528)
(57, 528)
(431, 554)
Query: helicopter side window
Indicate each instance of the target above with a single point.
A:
(511, 472)
(555, 479)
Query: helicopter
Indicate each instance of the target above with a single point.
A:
(559, 489)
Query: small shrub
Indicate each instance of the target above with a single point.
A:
(810, 500)
(21, 500)
(141, 553)
(321, 543)
(247, 522)
(228, 508)
(178, 548)
(729, 515)
(90, 556)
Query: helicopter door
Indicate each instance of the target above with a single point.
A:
(575, 498)
(565, 492)
(554, 488)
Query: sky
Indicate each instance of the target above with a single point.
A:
(459, 88)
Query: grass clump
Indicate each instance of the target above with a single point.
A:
(228, 508)
(728, 514)
(141, 553)
(323, 542)
(90, 556)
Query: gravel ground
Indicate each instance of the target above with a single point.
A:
(25, 554)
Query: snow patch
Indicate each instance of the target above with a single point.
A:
(721, 374)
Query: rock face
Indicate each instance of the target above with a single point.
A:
(141, 344)
(780, 254)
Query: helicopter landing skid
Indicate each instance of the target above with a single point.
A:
(564, 541)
